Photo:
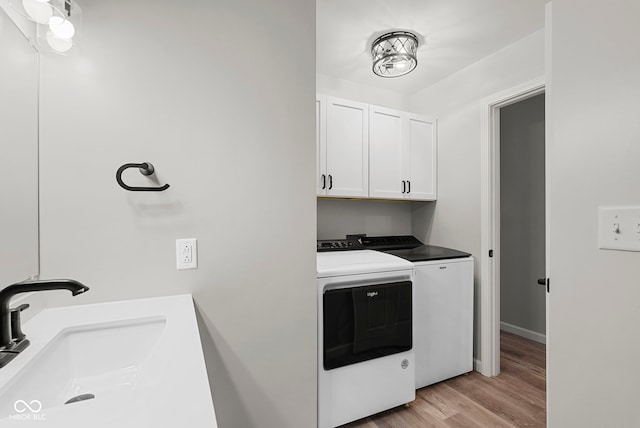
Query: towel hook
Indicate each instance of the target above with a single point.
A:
(146, 168)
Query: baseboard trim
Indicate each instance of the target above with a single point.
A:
(533, 335)
(477, 365)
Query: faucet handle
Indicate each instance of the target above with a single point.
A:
(16, 330)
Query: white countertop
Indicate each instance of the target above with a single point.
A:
(180, 395)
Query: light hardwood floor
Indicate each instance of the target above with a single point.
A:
(515, 398)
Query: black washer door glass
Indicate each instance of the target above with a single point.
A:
(367, 322)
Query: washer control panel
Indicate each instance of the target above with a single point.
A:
(339, 245)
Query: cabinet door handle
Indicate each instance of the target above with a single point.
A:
(330, 182)
(404, 186)
(408, 186)
(324, 181)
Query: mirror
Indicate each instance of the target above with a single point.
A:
(19, 70)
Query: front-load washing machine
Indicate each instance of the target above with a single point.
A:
(365, 332)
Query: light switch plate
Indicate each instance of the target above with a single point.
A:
(619, 228)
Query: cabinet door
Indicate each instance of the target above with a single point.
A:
(347, 148)
(386, 153)
(422, 158)
(321, 145)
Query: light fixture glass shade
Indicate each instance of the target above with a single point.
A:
(394, 54)
(34, 10)
(58, 22)
(61, 28)
(62, 32)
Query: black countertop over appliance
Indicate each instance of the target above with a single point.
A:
(409, 248)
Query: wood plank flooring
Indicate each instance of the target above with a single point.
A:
(515, 398)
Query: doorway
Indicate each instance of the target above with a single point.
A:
(522, 218)
(491, 260)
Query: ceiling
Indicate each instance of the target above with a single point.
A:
(452, 35)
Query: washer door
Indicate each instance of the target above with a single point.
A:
(366, 322)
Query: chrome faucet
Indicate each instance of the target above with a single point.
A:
(10, 318)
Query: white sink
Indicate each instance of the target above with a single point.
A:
(134, 363)
(98, 359)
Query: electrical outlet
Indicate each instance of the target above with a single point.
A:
(186, 253)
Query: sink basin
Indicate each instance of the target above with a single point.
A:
(90, 360)
(128, 364)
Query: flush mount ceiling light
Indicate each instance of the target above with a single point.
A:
(394, 54)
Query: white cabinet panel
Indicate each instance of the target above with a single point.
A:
(347, 148)
(385, 153)
(321, 145)
(422, 173)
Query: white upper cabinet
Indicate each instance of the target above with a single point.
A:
(368, 151)
(343, 148)
(402, 155)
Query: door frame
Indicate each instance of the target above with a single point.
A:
(489, 364)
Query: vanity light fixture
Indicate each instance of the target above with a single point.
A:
(39, 11)
(394, 54)
(58, 23)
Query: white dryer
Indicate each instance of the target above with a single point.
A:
(443, 329)
(365, 333)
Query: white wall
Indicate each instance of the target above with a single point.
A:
(454, 221)
(327, 85)
(594, 304)
(338, 217)
(198, 89)
(18, 155)
(522, 215)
